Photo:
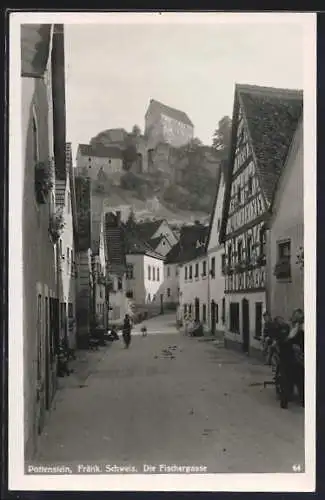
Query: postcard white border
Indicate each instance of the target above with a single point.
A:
(205, 482)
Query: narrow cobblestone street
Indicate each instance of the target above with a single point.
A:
(198, 404)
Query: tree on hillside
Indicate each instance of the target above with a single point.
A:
(221, 137)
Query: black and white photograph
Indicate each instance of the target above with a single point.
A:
(160, 211)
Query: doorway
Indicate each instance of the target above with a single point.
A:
(245, 317)
(213, 317)
(197, 309)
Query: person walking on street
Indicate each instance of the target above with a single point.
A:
(296, 340)
(268, 336)
(127, 331)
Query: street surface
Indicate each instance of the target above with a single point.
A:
(198, 404)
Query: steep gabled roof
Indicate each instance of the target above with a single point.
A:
(146, 230)
(176, 114)
(298, 136)
(135, 245)
(35, 44)
(187, 249)
(271, 116)
(154, 242)
(99, 151)
(219, 176)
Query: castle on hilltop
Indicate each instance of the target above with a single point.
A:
(164, 124)
(166, 130)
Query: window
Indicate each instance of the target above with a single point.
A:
(168, 292)
(234, 317)
(153, 273)
(218, 226)
(149, 273)
(168, 272)
(223, 311)
(185, 309)
(204, 268)
(283, 266)
(70, 310)
(186, 272)
(204, 313)
(158, 274)
(240, 250)
(213, 267)
(217, 312)
(197, 270)
(130, 271)
(248, 249)
(149, 297)
(258, 319)
(60, 247)
(229, 255)
(129, 294)
(238, 195)
(223, 263)
(191, 276)
(190, 309)
(262, 241)
(119, 283)
(250, 185)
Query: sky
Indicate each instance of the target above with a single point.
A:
(112, 71)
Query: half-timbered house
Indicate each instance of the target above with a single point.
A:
(264, 122)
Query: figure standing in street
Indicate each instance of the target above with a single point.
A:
(268, 337)
(127, 331)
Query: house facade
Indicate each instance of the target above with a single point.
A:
(84, 302)
(192, 268)
(43, 136)
(254, 168)
(99, 274)
(116, 267)
(216, 259)
(171, 282)
(99, 163)
(166, 124)
(286, 235)
(67, 268)
(145, 277)
(194, 277)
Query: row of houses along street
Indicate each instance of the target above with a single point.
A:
(86, 266)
